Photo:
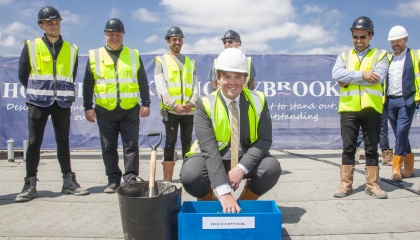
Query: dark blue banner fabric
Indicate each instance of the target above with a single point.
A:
(301, 95)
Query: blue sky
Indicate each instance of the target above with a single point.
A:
(265, 26)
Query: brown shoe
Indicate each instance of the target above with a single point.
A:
(247, 194)
(387, 157)
(345, 188)
(208, 197)
(168, 170)
(372, 188)
(408, 166)
(396, 168)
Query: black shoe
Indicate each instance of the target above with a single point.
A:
(71, 186)
(28, 191)
(112, 187)
(131, 180)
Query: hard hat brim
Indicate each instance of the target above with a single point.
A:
(236, 70)
(396, 38)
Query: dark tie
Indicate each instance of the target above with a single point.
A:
(234, 136)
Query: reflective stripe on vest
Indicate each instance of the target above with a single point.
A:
(113, 86)
(180, 90)
(51, 80)
(249, 60)
(355, 97)
(219, 116)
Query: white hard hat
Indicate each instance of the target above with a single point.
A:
(397, 32)
(232, 60)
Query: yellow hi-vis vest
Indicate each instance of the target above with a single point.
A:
(219, 116)
(249, 60)
(51, 80)
(179, 87)
(355, 98)
(415, 59)
(113, 86)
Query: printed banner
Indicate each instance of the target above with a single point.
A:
(301, 95)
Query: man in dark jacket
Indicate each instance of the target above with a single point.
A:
(234, 135)
(47, 69)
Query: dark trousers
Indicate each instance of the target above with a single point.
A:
(111, 124)
(37, 120)
(186, 123)
(383, 137)
(195, 178)
(401, 117)
(369, 121)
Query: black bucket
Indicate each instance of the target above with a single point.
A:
(145, 217)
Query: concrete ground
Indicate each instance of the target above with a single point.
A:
(304, 194)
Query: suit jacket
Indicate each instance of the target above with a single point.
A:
(408, 78)
(253, 153)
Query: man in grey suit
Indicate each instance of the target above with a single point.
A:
(214, 162)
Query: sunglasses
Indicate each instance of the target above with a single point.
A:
(361, 37)
(230, 41)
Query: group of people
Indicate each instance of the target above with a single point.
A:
(232, 125)
(376, 86)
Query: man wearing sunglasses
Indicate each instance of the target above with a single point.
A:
(360, 73)
(231, 39)
(402, 98)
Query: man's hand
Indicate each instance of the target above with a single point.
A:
(144, 111)
(235, 176)
(229, 204)
(371, 77)
(90, 115)
(179, 109)
(343, 84)
(188, 107)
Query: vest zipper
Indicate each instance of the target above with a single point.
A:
(54, 71)
(117, 85)
(360, 87)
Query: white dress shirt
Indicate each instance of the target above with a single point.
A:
(395, 74)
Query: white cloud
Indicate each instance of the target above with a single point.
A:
(241, 15)
(259, 23)
(10, 41)
(13, 36)
(333, 50)
(203, 45)
(312, 34)
(151, 39)
(5, 2)
(144, 15)
(69, 17)
(307, 9)
(157, 51)
(113, 13)
(409, 9)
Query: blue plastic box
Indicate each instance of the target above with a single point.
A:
(205, 220)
